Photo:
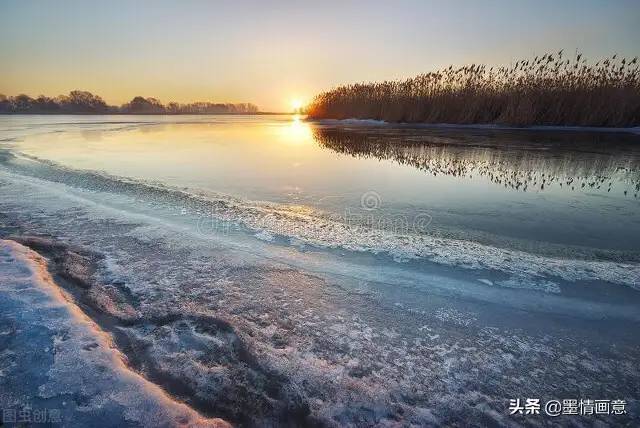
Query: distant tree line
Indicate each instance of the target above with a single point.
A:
(83, 102)
(546, 90)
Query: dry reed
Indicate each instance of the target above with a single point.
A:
(545, 90)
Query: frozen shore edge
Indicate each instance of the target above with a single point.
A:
(483, 127)
(57, 353)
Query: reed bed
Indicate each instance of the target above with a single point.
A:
(546, 90)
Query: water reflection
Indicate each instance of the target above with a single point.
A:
(520, 161)
(296, 131)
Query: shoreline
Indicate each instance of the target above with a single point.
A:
(484, 127)
(635, 130)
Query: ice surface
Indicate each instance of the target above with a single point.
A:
(53, 358)
(216, 212)
(268, 315)
(262, 333)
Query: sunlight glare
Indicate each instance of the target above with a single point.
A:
(297, 131)
(296, 105)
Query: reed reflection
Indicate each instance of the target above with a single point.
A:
(522, 161)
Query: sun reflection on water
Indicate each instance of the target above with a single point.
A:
(297, 131)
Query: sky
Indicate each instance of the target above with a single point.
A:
(274, 52)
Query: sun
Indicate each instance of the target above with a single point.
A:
(297, 104)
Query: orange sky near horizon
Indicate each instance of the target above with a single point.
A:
(272, 53)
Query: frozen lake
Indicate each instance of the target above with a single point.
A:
(268, 270)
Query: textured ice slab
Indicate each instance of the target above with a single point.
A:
(57, 366)
(216, 212)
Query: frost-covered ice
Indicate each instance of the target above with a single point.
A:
(57, 366)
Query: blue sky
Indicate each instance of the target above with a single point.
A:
(272, 52)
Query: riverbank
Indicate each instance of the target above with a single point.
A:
(484, 127)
